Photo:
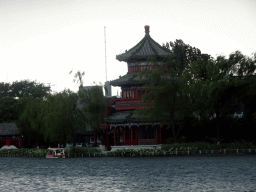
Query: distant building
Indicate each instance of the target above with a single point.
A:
(108, 91)
(9, 134)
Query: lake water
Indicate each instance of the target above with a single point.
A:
(178, 173)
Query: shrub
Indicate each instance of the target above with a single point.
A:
(108, 148)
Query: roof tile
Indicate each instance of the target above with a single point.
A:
(9, 129)
(146, 48)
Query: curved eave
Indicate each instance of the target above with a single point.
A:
(128, 79)
(128, 120)
(153, 45)
(128, 83)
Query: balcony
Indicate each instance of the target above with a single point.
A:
(128, 103)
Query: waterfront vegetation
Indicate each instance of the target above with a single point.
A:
(189, 148)
(169, 149)
(23, 152)
(81, 150)
(43, 152)
(207, 146)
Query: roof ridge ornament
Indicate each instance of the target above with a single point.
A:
(146, 29)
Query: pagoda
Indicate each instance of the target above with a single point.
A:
(122, 126)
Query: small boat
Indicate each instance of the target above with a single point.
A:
(56, 153)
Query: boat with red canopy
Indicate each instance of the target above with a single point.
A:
(56, 153)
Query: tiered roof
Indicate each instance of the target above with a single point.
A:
(124, 117)
(9, 129)
(145, 49)
(128, 79)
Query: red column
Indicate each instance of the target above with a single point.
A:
(114, 136)
(124, 136)
(160, 136)
(157, 139)
(19, 143)
(8, 142)
(95, 139)
(131, 135)
(136, 135)
(119, 135)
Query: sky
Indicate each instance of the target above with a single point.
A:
(44, 40)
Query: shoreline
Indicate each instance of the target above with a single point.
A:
(144, 153)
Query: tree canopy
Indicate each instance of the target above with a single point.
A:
(14, 96)
(190, 84)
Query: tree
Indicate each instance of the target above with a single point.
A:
(13, 97)
(93, 106)
(26, 88)
(165, 96)
(8, 110)
(4, 89)
(167, 85)
(61, 118)
(214, 93)
(31, 121)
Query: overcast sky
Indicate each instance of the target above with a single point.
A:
(44, 40)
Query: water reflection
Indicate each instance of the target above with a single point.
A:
(190, 173)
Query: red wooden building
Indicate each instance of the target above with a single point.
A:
(9, 135)
(121, 126)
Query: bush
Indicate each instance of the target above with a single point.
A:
(24, 152)
(108, 148)
(80, 150)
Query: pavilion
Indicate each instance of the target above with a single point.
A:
(122, 126)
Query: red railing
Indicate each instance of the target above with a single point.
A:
(127, 101)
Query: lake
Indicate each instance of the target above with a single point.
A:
(176, 173)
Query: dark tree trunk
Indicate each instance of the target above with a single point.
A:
(74, 140)
(217, 110)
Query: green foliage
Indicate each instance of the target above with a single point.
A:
(167, 87)
(207, 146)
(26, 88)
(60, 116)
(15, 96)
(191, 84)
(80, 150)
(109, 148)
(92, 105)
(8, 109)
(4, 89)
(31, 122)
(24, 152)
(52, 119)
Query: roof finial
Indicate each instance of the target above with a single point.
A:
(147, 29)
